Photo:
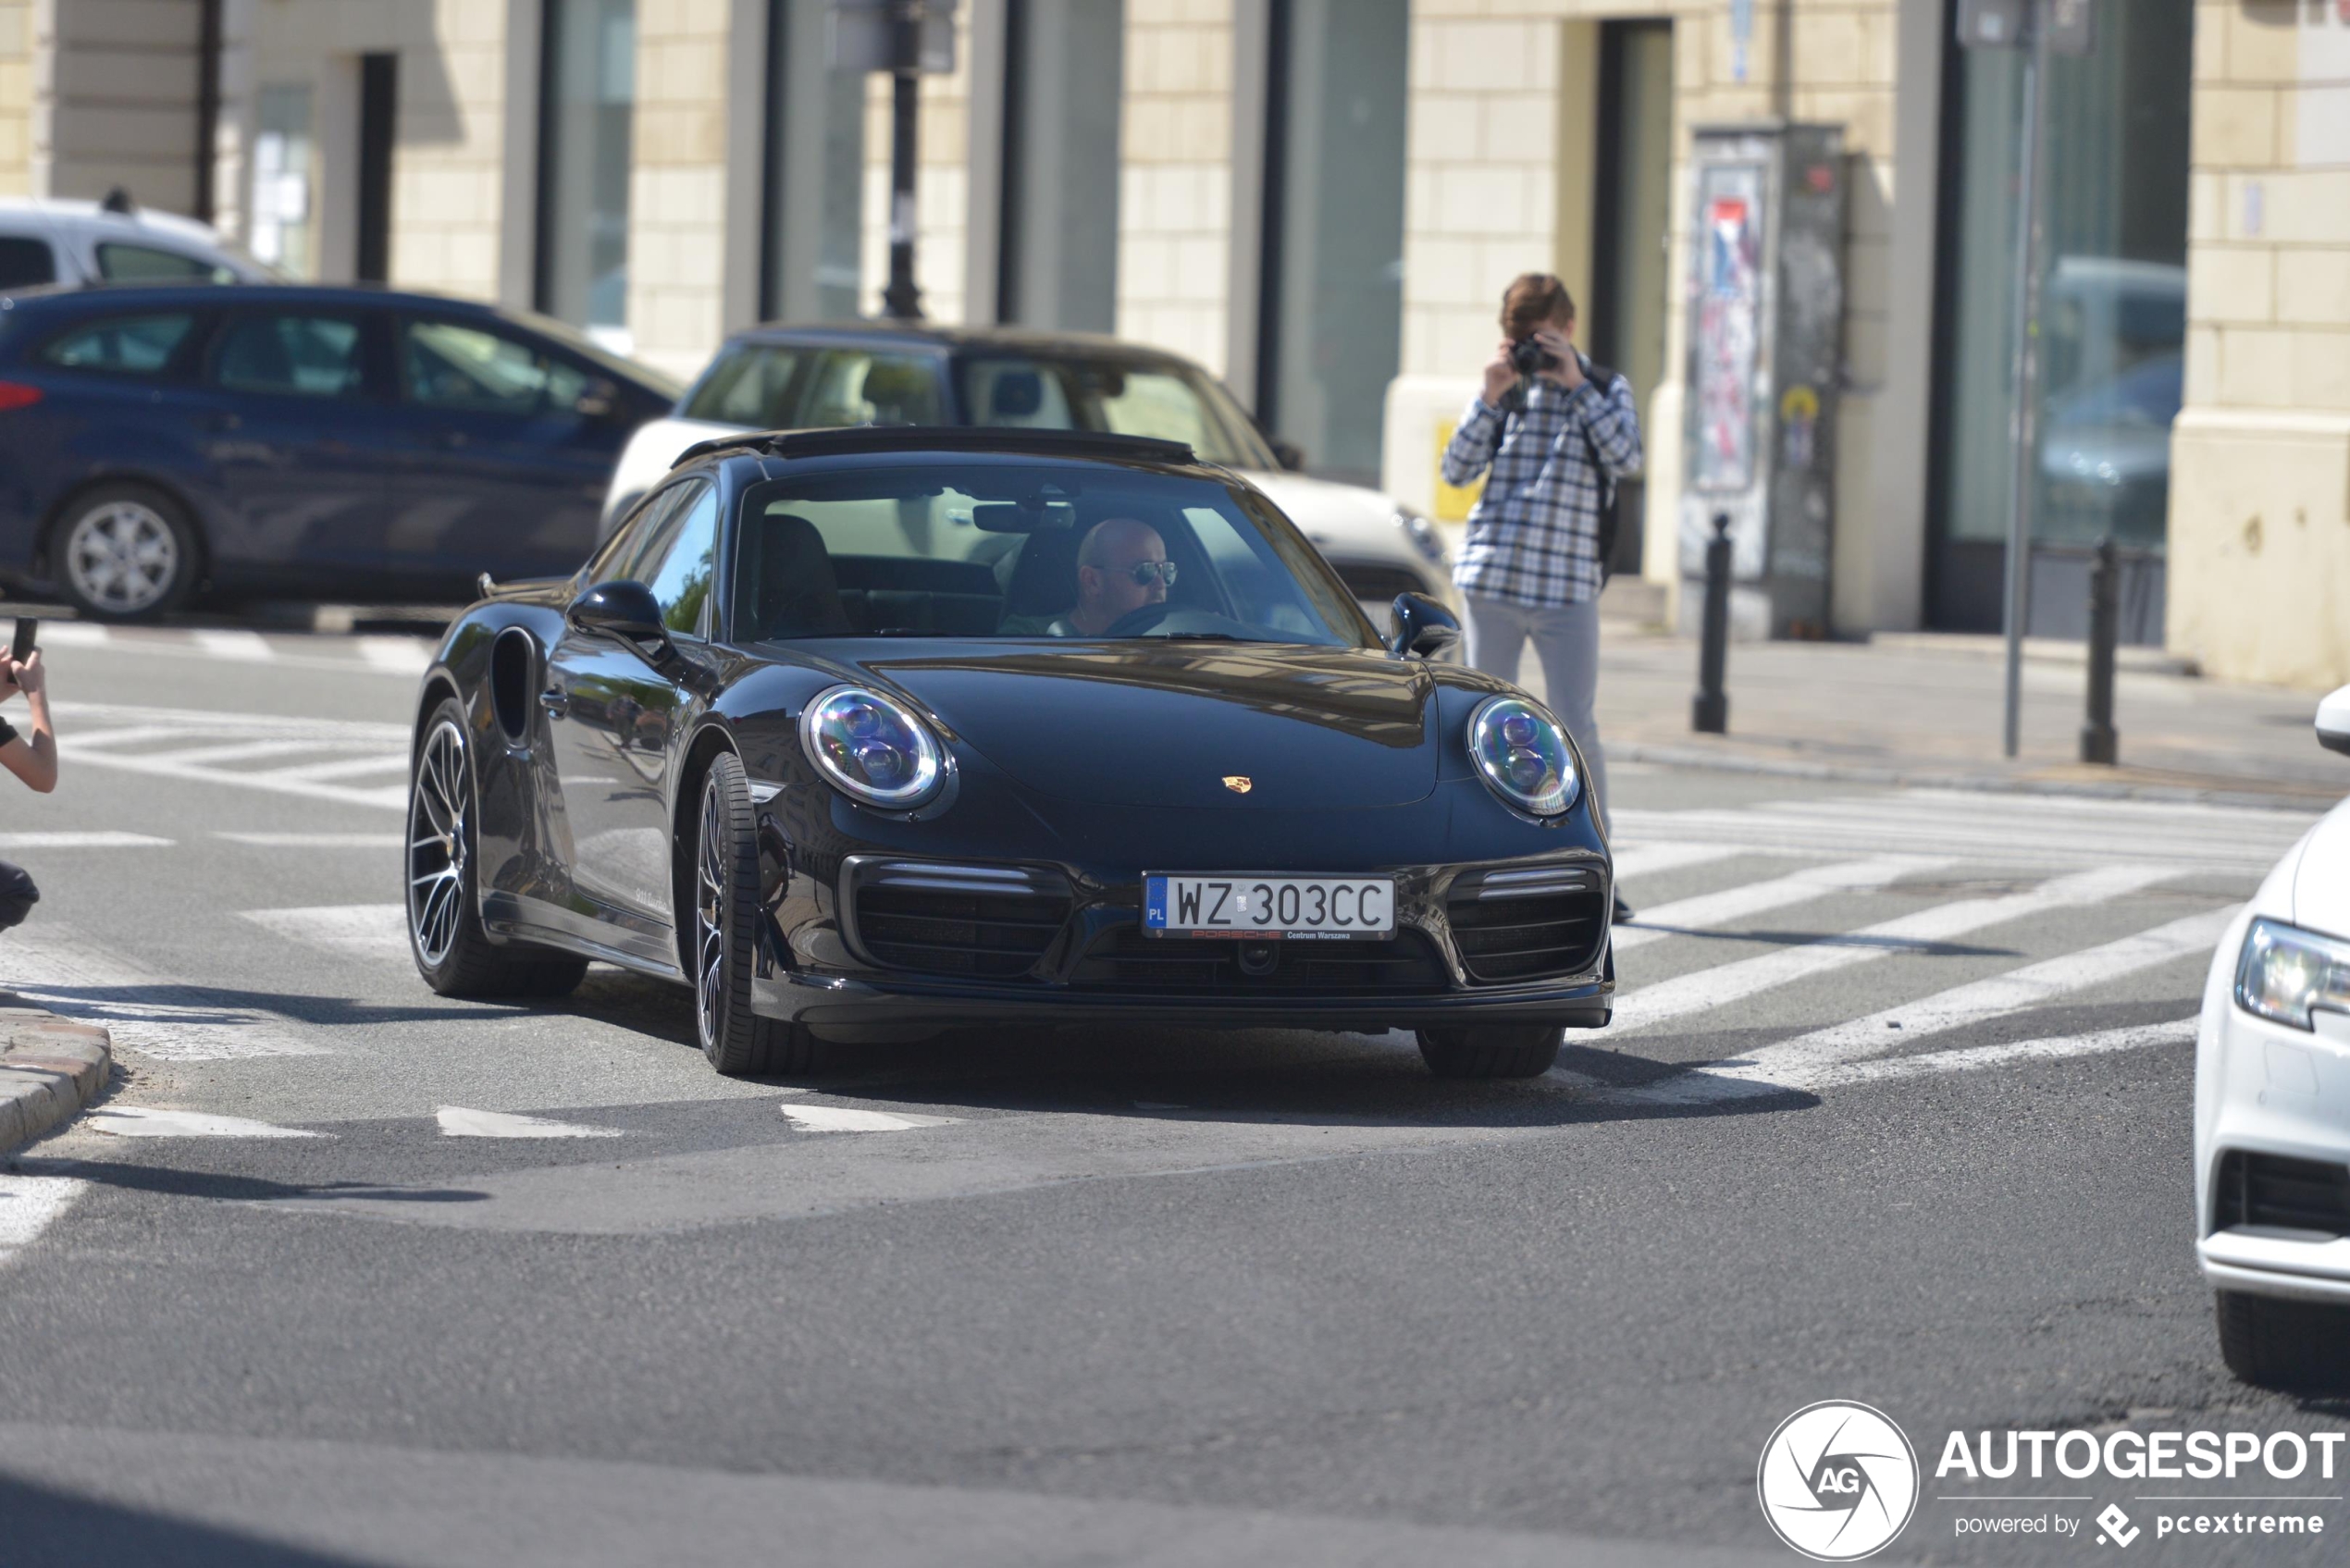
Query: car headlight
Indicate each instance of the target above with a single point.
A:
(2285, 973)
(1524, 756)
(872, 748)
(1422, 533)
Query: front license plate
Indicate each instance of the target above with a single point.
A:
(1315, 908)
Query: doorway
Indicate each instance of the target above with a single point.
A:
(1631, 224)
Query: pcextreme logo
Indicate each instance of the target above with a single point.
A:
(1837, 1480)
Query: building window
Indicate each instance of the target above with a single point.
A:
(815, 172)
(1057, 257)
(282, 155)
(1331, 313)
(588, 92)
(2113, 203)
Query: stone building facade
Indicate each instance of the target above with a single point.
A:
(1320, 200)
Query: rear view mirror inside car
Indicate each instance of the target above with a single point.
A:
(1019, 517)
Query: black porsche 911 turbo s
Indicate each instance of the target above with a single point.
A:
(868, 734)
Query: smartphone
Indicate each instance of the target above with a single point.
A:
(28, 627)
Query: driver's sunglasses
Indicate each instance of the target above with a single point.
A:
(1145, 572)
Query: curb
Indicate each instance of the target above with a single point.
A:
(1930, 777)
(50, 1067)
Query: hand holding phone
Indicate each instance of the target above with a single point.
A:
(20, 649)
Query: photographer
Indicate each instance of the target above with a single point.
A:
(34, 760)
(1557, 441)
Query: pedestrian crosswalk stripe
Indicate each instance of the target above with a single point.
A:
(457, 1121)
(1798, 1062)
(311, 757)
(356, 931)
(141, 1121)
(146, 1014)
(2022, 830)
(400, 655)
(66, 840)
(2129, 1037)
(1648, 860)
(1725, 984)
(316, 840)
(246, 647)
(849, 1118)
(29, 1204)
(1711, 910)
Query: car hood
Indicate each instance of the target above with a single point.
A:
(2320, 885)
(1344, 517)
(1158, 724)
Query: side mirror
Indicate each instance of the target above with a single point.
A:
(2333, 722)
(1290, 455)
(1419, 626)
(627, 611)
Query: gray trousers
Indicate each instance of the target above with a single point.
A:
(1566, 640)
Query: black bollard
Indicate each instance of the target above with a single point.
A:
(2099, 743)
(1710, 710)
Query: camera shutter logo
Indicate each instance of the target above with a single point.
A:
(1838, 1481)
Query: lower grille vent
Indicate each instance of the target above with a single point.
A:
(2289, 1194)
(1125, 959)
(1524, 924)
(975, 922)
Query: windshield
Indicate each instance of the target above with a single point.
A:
(1163, 399)
(587, 348)
(1017, 550)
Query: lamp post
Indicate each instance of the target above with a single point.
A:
(910, 39)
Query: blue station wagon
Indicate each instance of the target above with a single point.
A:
(314, 442)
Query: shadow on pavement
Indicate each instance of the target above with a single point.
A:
(56, 1529)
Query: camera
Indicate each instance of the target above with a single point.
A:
(1527, 357)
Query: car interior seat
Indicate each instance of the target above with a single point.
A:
(1044, 581)
(790, 587)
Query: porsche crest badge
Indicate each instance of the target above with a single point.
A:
(1238, 783)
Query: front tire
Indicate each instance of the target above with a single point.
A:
(124, 552)
(445, 937)
(722, 848)
(1492, 1050)
(2292, 1346)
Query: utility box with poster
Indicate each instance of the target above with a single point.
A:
(1766, 347)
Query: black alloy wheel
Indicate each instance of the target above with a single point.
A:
(124, 552)
(1515, 1050)
(723, 850)
(453, 952)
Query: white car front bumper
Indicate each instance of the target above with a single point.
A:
(2270, 1090)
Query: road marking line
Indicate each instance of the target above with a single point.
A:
(316, 840)
(350, 767)
(359, 931)
(83, 841)
(235, 751)
(456, 1121)
(846, 1119)
(146, 1014)
(245, 648)
(403, 655)
(1647, 858)
(76, 742)
(1818, 1056)
(1711, 910)
(29, 1204)
(75, 634)
(141, 1121)
(2131, 1037)
(1725, 984)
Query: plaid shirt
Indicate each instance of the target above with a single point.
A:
(1534, 535)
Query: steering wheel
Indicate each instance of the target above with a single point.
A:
(1138, 623)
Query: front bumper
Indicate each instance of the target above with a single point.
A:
(844, 956)
(2276, 1099)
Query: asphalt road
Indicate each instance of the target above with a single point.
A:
(306, 1289)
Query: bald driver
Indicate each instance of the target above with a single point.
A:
(1121, 566)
